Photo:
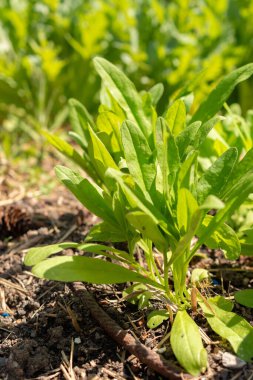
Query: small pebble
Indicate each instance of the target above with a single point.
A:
(77, 340)
(232, 361)
(161, 350)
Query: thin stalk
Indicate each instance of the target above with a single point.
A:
(155, 268)
(131, 247)
(166, 273)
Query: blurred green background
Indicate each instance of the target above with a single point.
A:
(47, 46)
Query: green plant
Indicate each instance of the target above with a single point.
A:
(43, 44)
(146, 187)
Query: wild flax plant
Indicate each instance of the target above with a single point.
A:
(146, 185)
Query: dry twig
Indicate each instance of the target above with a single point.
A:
(152, 359)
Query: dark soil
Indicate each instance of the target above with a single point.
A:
(43, 323)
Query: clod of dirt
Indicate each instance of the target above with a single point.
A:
(15, 220)
(27, 358)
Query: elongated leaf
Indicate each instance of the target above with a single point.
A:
(238, 194)
(148, 228)
(101, 158)
(108, 124)
(167, 154)
(156, 93)
(186, 207)
(106, 232)
(216, 177)
(245, 297)
(222, 303)
(80, 120)
(220, 94)
(81, 268)
(176, 117)
(246, 248)
(187, 344)
(98, 248)
(124, 92)
(139, 202)
(37, 254)
(138, 155)
(184, 242)
(243, 167)
(186, 169)
(79, 140)
(194, 135)
(231, 327)
(212, 202)
(223, 237)
(204, 130)
(186, 140)
(68, 151)
(89, 194)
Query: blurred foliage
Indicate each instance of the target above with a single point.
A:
(47, 46)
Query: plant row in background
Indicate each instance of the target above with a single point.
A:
(46, 48)
(152, 187)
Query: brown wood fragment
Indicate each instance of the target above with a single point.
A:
(152, 359)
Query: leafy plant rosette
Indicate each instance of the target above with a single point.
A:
(145, 185)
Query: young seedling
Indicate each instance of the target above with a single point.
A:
(146, 186)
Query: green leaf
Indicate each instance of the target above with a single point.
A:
(99, 155)
(223, 237)
(148, 228)
(243, 167)
(89, 194)
(216, 177)
(108, 124)
(156, 93)
(137, 294)
(198, 275)
(156, 318)
(222, 303)
(185, 240)
(245, 297)
(167, 154)
(37, 254)
(81, 268)
(106, 232)
(186, 140)
(138, 155)
(212, 202)
(194, 135)
(80, 119)
(237, 196)
(186, 170)
(186, 207)
(123, 90)
(68, 151)
(220, 94)
(176, 117)
(231, 327)
(97, 248)
(246, 248)
(187, 344)
(139, 202)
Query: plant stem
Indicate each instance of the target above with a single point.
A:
(166, 273)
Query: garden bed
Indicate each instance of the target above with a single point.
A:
(45, 330)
